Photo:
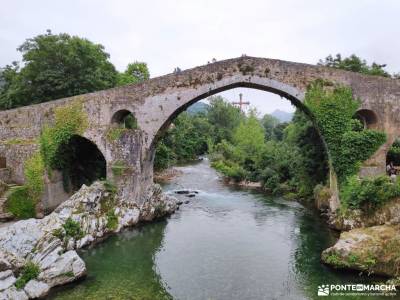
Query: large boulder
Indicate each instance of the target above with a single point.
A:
(36, 289)
(373, 250)
(66, 267)
(156, 204)
(389, 214)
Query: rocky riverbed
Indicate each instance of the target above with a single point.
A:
(38, 254)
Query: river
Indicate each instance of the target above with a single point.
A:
(225, 244)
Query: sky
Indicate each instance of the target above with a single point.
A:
(187, 33)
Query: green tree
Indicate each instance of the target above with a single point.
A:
(134, 73)
(56, 66)
(269, 122)
(224, 117)
(355, 64)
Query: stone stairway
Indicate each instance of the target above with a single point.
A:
(4, 215)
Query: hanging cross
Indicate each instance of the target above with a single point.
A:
(241, 102)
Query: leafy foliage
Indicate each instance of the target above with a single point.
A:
(334, 111)
(186, 139)
(393, 154)
(225, 118)
(134, 73)
(29, 272)
(20, 203)
(69, 120)
(112, 220)
(355, 64)
(72, 229)
(59, 65)
(368, 193)
(34, 170)
(56, 66)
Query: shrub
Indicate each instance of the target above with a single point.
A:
(72, 229)
(69, 120)
(230, 169)
(368, 192)
(29, 272)
(20, 203)
(59, 232)
(34, 171)
(112, 220)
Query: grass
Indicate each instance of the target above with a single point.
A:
(20, 203)
(29, 272)
(112, 220)
(72, 229)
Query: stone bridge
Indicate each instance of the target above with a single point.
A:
(156, 102)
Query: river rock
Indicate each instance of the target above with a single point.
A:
(373, 250)
(13, 294)
(66, 268)
(45, 241)
(129, 217)
(21, 237)
(156, 204)
(389, 214)
(36, 289)
(7, 279)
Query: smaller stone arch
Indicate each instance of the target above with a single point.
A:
(84, 163)
(368, 118)
(125, 119)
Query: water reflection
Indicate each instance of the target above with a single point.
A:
(121, 268)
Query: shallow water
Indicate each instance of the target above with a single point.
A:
(226, 244)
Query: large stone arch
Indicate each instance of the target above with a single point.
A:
(184, 100)
(84, 151)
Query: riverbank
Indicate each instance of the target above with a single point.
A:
(39, 254)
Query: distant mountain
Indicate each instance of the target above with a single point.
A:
(198, 107)
(282, 116)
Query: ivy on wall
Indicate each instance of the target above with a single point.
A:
(69, 120)
(348, 143)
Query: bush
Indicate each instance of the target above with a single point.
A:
(368, 193)
(72, 229)
(20, 203)
(29, 272)
(230, 169)
(112, 220)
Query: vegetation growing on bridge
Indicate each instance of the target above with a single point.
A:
(349, 144)
(55, 153)
(354, 63)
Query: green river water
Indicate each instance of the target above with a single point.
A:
(224, 244)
